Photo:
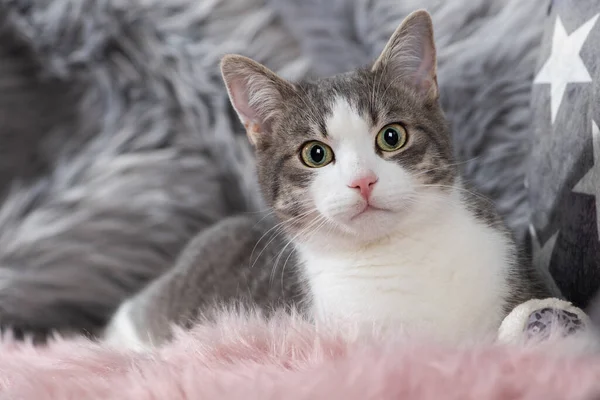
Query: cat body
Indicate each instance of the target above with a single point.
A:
(359, 170)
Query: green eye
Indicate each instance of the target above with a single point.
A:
(316, 154)
(392, 137)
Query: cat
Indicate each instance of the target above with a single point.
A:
(359, 170)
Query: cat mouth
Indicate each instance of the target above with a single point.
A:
(367, 209)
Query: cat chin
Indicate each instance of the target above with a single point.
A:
(375, 224)
(369, 226)
(372, 222)
(353, 224)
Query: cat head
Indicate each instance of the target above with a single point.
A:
(355, 156)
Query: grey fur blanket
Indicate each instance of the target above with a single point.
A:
(118, 144)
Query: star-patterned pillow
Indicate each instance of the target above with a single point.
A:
(564, 174)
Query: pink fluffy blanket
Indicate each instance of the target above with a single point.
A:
(285, 358)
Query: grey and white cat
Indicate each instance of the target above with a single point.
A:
(359, 170)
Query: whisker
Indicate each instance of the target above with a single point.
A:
(264, 217)
(323, 222)
(315, 221)
(444, 166)
(283, 269)
(279, 228)
(278, 231)
(472, 193)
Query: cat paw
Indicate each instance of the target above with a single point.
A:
(541, 320)
(121, 331)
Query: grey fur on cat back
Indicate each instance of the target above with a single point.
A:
(150, 154)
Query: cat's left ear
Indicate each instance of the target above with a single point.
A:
(256, 93)
(410, 57)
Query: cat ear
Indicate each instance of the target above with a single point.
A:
(255, 92)
(410, 54)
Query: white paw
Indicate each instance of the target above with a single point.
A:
(540, 320)
(121, 331)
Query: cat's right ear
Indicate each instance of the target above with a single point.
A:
(256, 93)
(410, 55)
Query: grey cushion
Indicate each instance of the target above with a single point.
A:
(564, 173)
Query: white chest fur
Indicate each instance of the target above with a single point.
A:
(448, 280)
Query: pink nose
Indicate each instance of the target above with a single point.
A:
(364, 184)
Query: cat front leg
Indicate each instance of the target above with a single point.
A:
(549, 321)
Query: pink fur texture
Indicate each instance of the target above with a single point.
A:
(248, 358)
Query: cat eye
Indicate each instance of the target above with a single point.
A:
(391, 138)
(316, 154)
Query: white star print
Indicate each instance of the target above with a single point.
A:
(589, 184)
(542, 255)
(565, 65)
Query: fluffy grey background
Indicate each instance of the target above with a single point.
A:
(118, 143)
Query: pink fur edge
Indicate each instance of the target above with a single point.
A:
(286, 358)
